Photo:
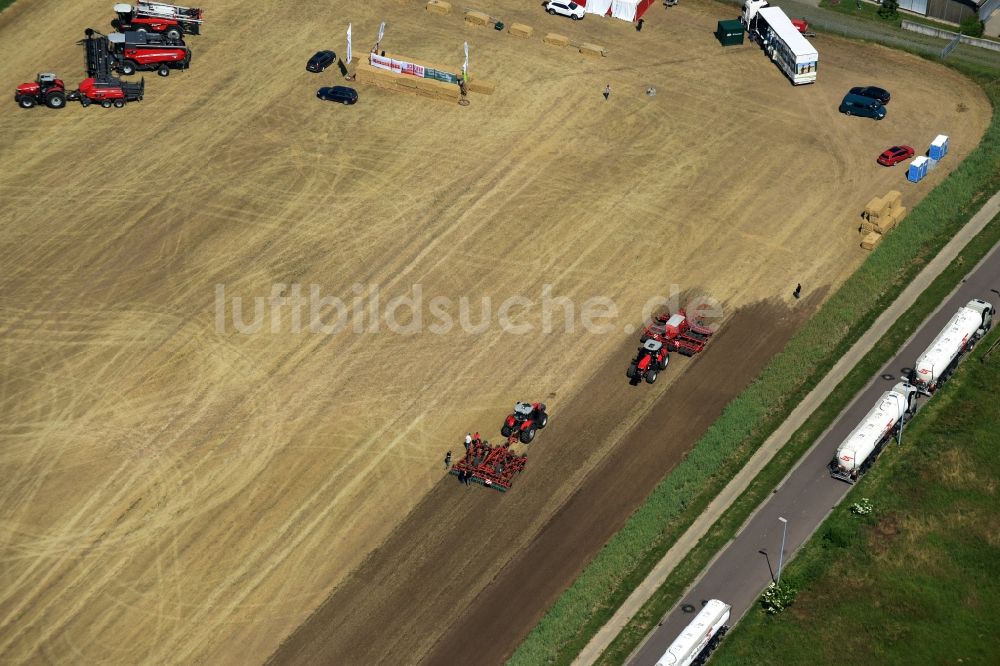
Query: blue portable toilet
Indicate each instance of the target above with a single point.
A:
(917, 170)
(939, 147)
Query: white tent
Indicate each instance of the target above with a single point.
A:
(626, 10)
(598, 6)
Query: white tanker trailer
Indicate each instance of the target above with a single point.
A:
(700, 637)
(935, 365)
(856, 453)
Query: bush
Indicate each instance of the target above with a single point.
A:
(889, 9)
(862, 507)
(972, 26)
(777, 598)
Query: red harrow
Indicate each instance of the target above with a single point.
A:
(491, 466)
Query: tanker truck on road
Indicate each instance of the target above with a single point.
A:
(972, 321)
(861, 448)
(695, 644)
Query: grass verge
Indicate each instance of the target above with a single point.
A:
(628, 556)
(922, 571)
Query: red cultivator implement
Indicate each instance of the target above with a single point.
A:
(491, 466)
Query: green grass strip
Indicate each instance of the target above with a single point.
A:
(750, 418)
(917, 581)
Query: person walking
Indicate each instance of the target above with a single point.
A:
(638, 25)
(607, 92)
(468, 440)
(447, 460)
(798, 291)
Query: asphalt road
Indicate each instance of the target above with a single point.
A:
(745, 567)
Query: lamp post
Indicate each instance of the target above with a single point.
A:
(781, 553)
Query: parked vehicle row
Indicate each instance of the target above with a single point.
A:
(149, 39)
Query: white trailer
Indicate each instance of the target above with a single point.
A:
(961, 334)
(856, 453)
(781, 40)
(699, 637)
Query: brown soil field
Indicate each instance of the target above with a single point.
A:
(179, 490)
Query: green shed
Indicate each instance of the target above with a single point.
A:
(730, 33)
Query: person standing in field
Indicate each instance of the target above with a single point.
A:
(447, 460)
(607, 92)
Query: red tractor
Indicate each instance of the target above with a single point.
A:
(524, 422)
(138, 50)
(170, 20)
(651, 358)
(46, 89)
(677, 333)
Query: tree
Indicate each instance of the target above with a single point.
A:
(889, 9)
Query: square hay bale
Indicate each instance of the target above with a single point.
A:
(477, 18)
(898, 214)
(521, 30)
(593, 50)
(871, 241)
(876, 205)
(439, 7)
(407, 82)
(894, 198)
(868, 227)
(556, 40)
(482, 86)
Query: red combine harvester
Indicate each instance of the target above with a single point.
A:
(46, 89)
(524, 422)
(488, 465)
(170, 20)
(648, 362)
(50, 90)
(133, 51)
(677, 333)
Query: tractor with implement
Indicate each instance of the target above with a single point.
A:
(651, 358)
(677, 333)
(50, 90)
(526, 419)
(133, 51)
(169, 20)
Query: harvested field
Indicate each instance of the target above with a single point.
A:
(177, 490)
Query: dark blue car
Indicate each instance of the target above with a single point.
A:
(321, 61)
(341, 94)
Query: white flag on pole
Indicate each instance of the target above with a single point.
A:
(465, 67)
(381, 31)
(348, 43)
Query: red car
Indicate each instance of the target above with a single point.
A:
(895, 155)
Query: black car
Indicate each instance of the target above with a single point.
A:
(321, 61)
(871, 91)
(341, 94)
